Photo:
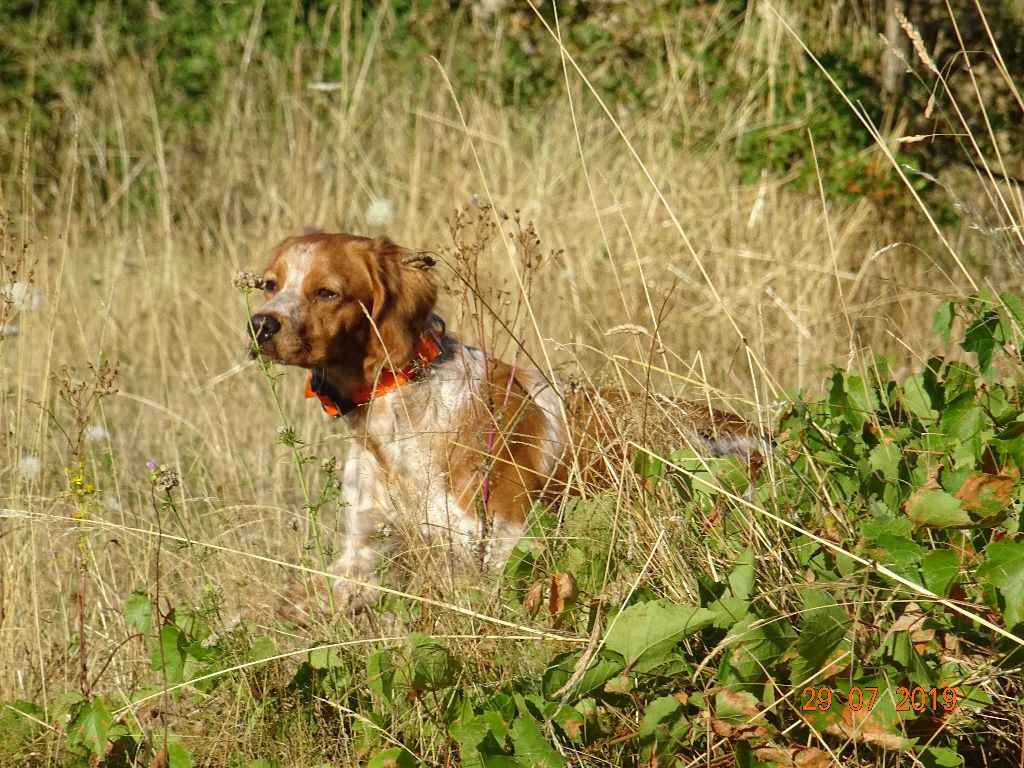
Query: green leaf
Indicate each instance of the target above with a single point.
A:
(169, 654)
(138, 611)
(980, 338)
(939, 757)
(90, 726)
(899, 647)
(897, 552)
(862, 397)
(650, 630)
(1004, 568)
(1015, 307)
(823, 628)
(531, 748)
(433, 666)
(262, 649)
(939, 569)
(396, 757)
(178, 756)
(934, 508)
(752, 651)
(663, 719)
(872, 530)
(885, 458)
(943, 321)
(741, 578)
(480, 739)
(20, 723)
(326, 657)
(917, 399)
(728, 610)
(599, 671)
(380, 676)
(962, 417)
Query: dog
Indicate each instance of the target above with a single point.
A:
(443, 436)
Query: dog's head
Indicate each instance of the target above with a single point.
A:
(343, 304)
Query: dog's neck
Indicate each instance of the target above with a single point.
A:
(340, 394)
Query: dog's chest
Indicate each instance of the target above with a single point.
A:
(411, 432)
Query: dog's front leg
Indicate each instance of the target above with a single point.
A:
(366, 533)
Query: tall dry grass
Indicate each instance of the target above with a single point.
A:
(133, 235)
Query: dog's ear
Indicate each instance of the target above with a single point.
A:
(403, 300)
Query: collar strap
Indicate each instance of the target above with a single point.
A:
(428, 349)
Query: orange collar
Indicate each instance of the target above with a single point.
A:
(336, 404)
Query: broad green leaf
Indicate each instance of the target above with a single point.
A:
(899, 647)
(981, 338)
(599, 671)
(741, 578)
(939, 757)
(169, 654)
(823, 627)
(963, 418)
(872, 530)
(396, 757)
(178, 756)
(1003, 567)
(1015, 308)
(20, 723)
(478, 745)
(326, 657)
(939, 569)
(380, 676)
(572, 722)
(262, 649)
(885, 459)
(91, 726)
(943, 321)
(531, 748)
(661, 717)
(898, 552)
(138, 611)
(934, 508)
(862, 401)
(650, 630)
(728, 610)
(434, 667)
(916, 398)
(368, 732)
(754, 650)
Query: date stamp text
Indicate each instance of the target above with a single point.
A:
(908, 699)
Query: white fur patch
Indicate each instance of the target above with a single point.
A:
(289, 300)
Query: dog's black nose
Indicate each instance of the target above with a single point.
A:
(264, 327)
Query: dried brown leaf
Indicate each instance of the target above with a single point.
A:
(563, 596)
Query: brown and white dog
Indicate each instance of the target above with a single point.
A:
(443, 436)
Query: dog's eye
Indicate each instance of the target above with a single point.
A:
(326, 294)
(270, 286)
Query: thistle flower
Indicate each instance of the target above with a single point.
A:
(23, 295)
(162, 477)
(247, 282)
(379, 213)
(30, 468)
(95, 433)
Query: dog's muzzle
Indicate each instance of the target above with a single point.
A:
(263, 328)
